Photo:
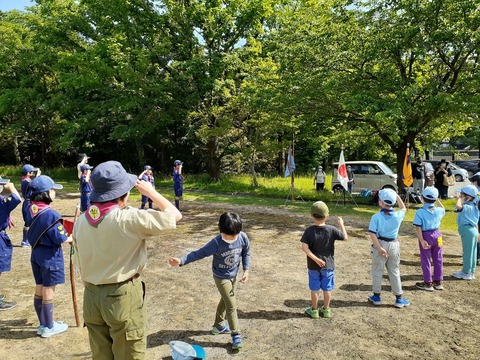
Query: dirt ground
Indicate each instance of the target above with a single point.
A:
(181, 301)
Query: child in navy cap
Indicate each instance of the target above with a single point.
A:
(28, 173)
(383, 228)
(85, 186)
(7, 205)
(147, 175)
(467, 220)
(427, 226)
(177, 182)
(46, 236)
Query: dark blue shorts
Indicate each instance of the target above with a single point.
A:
(178, 189)
(47, 265)
(6, 250)
(321, 279)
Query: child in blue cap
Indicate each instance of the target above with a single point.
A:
(475, 180)
(427, 226)
(147, 175)
(383, 229)
(46, 236)
(28, 173)
(7, 205)
(85, 186)
(178, 182)
(467, 221)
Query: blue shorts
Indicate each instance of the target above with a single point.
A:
(6, 250)
(321, 280)
(178, 188)
(47, 265)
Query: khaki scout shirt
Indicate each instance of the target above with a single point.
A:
(116, 249)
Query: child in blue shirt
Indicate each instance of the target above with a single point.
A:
(178, 182)
(467, 220)
(427, 226)
(7, 205)
(28, 173)
(85, 186)
(318, 243)
(383, 229)
(147, 175)
(475, 180)
(46, 236)
(227, 248)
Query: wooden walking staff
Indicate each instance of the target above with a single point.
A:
(68, 225)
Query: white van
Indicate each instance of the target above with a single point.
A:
(367, 175)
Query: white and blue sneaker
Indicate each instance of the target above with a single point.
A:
(40, 329)
(375, 299)
(58, 327)
(401, 302)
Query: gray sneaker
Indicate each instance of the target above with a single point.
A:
(7, 305)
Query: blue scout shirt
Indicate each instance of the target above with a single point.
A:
(428, 217)
(7, 205)
(226, 256)
(386, 223)
(468, 215)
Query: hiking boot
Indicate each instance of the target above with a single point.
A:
(326, 313)
(236, 341)
(424, 286)
(224, 329)
(401, 302)
(437, 285)
(312, 312)
(375, 299)
(58, 327)
(7, 305)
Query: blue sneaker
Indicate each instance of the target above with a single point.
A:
(58, 327)
(314, 314)
(375, 300)
(224, 329)
(236, 341)
(401, 302)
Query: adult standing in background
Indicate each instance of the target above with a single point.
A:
(418, 172)
(110, 244)
(319, 179)
(351, 179)
(441, 171)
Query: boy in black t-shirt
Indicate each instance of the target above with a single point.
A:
(318, 243)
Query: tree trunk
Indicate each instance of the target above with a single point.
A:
(252, 168)
(214, 160)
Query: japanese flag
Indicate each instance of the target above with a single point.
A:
(342, 172)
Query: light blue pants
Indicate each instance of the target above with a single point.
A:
(469, 236)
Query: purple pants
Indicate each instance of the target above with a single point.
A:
(434, 256)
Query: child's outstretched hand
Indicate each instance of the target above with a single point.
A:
(244, 278)
(174, 261)
(339, 221)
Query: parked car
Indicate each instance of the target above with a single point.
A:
(367, 175)
(470, 165)
(460, 173)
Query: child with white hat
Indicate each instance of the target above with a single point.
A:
(427, 225)
(383, 228)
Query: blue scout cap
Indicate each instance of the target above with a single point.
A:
(28, 168)
(110, 181)
(43, 183)
(177, 162)
(470, 190)
(388, 196)
(475, 178)
(184, 351)
(430, 193)
(85, 167)
(147, 167)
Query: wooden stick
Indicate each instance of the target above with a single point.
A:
(72, 274)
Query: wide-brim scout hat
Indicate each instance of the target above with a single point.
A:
(110, 181)
(43, 183)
